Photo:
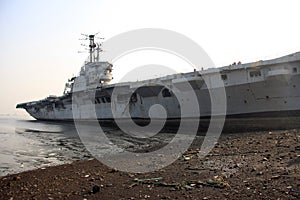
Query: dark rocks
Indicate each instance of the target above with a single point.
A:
(95, 189)
(16, 178)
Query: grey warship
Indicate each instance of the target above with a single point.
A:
(262, 89)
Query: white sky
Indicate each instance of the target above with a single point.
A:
(39, 39)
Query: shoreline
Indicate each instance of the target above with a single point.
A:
(256, 165)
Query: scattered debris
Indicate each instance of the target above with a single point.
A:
(275, 177)
(147, 179)
(217, 182)
(295, 191)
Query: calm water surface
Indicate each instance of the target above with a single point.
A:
(27, 144)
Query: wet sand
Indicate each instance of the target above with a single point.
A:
(256, 165)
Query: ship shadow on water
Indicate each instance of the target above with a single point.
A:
(130, 143)
(231, 124)
(171, 128)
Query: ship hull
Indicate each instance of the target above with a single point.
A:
(246, 110)
(259, 99)
(268, 92)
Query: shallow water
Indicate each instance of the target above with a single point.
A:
(27, 144)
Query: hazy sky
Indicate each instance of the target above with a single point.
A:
(39, 39)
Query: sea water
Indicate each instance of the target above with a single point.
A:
(27, 144)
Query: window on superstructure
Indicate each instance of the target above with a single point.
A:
(166, 93)
(133, 98)
(108, 100)
(295, 70)
(256, 73)
(224, 77)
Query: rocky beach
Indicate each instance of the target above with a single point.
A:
(253, 165)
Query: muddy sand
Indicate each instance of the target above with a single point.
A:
(257, 165)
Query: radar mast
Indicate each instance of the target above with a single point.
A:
(92, 47)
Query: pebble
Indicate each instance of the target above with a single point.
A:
(95, 189)
(187, 158)
(275, 177)
(236, 166)
(265, 159)
(259, 173)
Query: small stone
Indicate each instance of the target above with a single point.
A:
(16, 178)
(265, 159)
(275, 177)
(95, 189)
(253, 169)
(113, 170)
(186, 158)
(289, 187)
(236, 166)
(259, 173)
(188, 187)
